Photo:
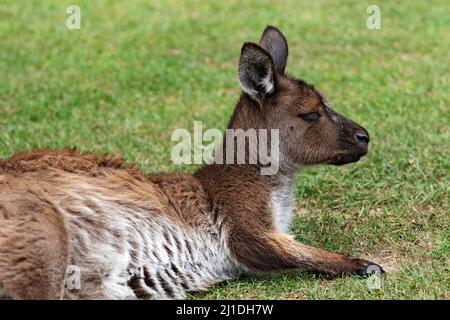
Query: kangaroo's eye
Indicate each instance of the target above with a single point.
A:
(310, 117)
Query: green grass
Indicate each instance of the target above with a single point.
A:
(139, 69)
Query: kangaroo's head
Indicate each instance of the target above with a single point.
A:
(310, 132)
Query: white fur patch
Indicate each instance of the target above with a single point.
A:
(267, 83)
(283, 204)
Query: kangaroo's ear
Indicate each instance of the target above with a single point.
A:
(276, 44)
(256, 71)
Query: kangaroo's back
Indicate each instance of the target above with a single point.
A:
(34, 242)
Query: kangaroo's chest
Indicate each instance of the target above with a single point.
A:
(282, 204)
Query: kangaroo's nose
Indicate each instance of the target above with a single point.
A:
(362, 137)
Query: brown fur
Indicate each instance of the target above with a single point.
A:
(32, 234)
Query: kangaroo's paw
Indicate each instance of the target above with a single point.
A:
(364, 268)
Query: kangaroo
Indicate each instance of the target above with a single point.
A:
(128, 235)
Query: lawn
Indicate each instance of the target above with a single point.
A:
(137, 70)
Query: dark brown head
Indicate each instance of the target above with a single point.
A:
(310, 131)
